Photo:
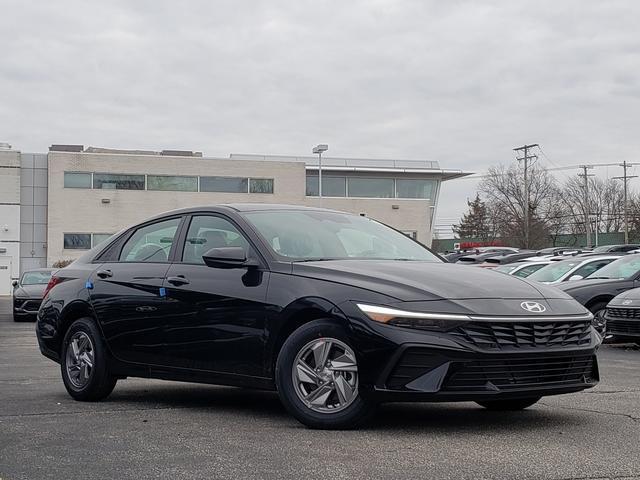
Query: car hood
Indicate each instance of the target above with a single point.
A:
(576, 284)
(30, 291)
(425, 281)
(630, 299)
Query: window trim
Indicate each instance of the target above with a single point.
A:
(186, 224)
(146, 182)
(64, 234)
(119, 243)
(90, 187)
(395, 188)
(144, 175)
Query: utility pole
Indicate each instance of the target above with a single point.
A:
(624, 178)
(586, 176)
(526, 157)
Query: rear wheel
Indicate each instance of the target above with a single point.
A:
(508, 405)
(317, 378)
(84, 362)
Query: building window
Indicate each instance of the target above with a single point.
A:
(331, 186)
(415, 188)
(371, 187)
(261, 185)
(172, 183)
(224, 184)
(117, 181)
(77, 180)
(98, 238)
(77, 241)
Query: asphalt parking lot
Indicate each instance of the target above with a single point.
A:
(155, 429)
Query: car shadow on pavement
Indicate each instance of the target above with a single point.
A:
(407, 417)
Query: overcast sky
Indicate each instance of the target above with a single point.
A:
(453, 81)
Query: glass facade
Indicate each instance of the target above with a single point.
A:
(224, 184)
(261, 185)
(77, 241)
(415, 188)
(77, 180)
(172, 183)
(116, 181)
(371, 187)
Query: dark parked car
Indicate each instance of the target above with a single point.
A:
(622, 316)
(599, 288)
(453, 257)
(336, 312)
(28, 293)
(616, 248)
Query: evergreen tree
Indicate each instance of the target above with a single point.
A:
(477, 223)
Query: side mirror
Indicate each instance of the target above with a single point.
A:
(575, 277)
(228, 257)
(15, 283)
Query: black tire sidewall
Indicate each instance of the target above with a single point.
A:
(101, 382)
(351, 416)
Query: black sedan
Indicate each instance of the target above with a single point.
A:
(28, 293)
(599, 288)
(622, 316)
(336, 312)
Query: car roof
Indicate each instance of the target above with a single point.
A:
(38, 270)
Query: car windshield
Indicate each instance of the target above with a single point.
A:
(624, 267)
(602, 249)
(506, 268)
(318, 235)
(553, 271)
(35, 278)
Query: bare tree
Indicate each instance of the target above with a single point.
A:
(503, 189)
(605, 200)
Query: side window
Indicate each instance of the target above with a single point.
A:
(151, 243)
(589, 268)
(207, 232)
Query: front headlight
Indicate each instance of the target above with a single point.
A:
(405, 318)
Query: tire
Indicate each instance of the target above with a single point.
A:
(599, 323)
(508, 405)
(84, 382)
(340, 404)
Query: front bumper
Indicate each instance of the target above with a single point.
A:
(482, 360)
(417, 373)
(623, 322)
(26, 308)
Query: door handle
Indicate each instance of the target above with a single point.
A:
(104, 273)
(178, 280)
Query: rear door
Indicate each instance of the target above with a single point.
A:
(217, 318)
(127, 293)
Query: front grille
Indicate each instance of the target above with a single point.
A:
(622, 327)
(516, 335)
(520, 372)
(623, 312)
(30, 305)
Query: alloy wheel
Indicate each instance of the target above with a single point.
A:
(80, 359)
(325, 375)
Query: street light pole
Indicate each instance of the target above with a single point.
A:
(323, 147)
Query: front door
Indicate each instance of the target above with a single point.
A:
(127, 293)
(217, 315)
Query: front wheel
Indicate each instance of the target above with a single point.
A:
(84, 366)
(599, 322)
(508, 405)
(317, 378)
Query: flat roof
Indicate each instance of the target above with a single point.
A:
(337, 164)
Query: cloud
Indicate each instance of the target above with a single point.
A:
(460, 82)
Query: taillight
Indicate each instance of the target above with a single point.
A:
(53, 281)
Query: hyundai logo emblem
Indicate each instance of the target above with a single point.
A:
(533, 307)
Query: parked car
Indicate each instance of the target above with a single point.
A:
(493, 262)
(28, 293)
(336, 312)
(622, 316)
(599, 288)
(522, 269)
(616, 248)
(453, 257)
(573, 269)
(480, 258)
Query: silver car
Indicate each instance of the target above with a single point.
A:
(575, 268)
